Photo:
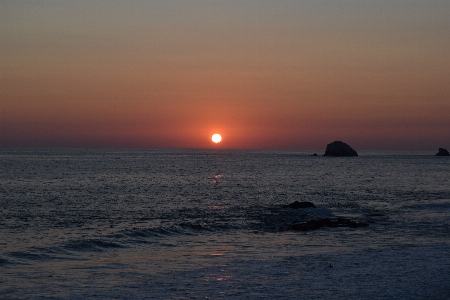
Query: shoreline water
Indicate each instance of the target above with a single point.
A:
(165, 224)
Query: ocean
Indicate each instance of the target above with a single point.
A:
(213, 224)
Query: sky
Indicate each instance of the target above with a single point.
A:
(264, 74)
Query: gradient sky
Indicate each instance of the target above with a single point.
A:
(265, 74)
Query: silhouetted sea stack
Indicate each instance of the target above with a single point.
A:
(443, 152)
(339, 148)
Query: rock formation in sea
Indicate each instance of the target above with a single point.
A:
(317, 223)
(339, 148)
(443, 152)
(297, 204)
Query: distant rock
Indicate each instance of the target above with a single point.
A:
(315, 154)
(339, 148)
(443, 152)
(296, 205)
(327, 222)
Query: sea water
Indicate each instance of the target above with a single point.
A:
(211, 224)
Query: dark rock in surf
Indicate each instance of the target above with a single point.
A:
(327, 222)
(315, 154)
(339, 148)
(376, 215)
(296, 205)
(443, 152)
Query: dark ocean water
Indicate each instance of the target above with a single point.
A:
(192, 224)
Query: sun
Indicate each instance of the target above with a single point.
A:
(216, 138)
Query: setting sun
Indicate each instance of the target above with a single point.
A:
(216, 138)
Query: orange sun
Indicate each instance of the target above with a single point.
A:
(216, 138)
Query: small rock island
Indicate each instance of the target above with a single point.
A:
(339, 148)
(443, 152)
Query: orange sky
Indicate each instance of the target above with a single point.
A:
(264, 74)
